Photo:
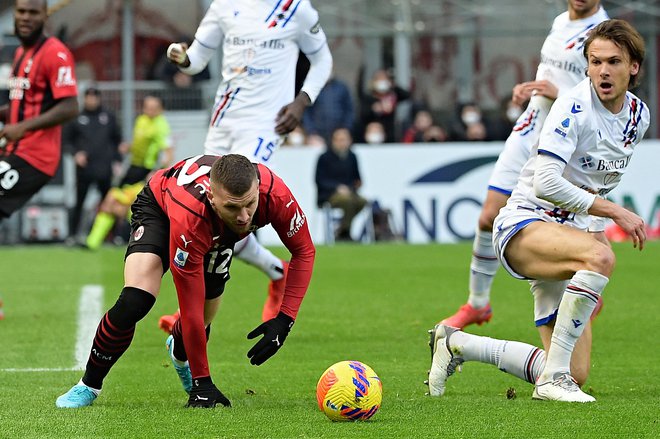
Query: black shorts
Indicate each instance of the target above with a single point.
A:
(150, 233)
(134, 174)
(19, 181)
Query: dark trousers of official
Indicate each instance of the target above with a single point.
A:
(83, 182)
(351, 204)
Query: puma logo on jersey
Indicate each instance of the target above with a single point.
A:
(185, 242)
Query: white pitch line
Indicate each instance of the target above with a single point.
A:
(89, 315)
(41, 369)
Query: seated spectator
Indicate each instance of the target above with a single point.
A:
(435, 133)
(469, 124)
(332, 109)
(501, 125)
(338, 180)
(415, 133)
(297, 137)
(374, 133)
(379, 104)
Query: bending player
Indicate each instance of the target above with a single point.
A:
(188, 218)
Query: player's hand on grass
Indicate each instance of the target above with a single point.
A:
(204, 394)
(274, 333)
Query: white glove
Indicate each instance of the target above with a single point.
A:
(176, 53)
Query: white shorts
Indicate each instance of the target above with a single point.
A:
(511, 220)
(518, 146)
(257, 144)
(515, 217)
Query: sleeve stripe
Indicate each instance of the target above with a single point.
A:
(551, 154)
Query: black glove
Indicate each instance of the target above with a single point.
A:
(204, 394)
(275, 331)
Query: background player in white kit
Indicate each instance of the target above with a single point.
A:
(541, 234)
(255, 105)
(562, 66)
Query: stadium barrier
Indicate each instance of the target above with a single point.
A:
(435, 191)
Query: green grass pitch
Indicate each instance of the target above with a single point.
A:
(368, 303)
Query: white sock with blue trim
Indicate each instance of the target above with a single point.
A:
(577, 304)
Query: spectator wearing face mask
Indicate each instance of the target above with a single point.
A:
(380, 102)
(501, 125)
(374, 133)
(469, 124)
(297, 137)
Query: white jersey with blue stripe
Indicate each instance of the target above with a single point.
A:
(562, 60)
(595, 145)
(260, 41)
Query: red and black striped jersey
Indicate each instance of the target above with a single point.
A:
(195, 229)
(41, 75)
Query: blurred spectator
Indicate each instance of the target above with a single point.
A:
(469, 124)
(93, 139)
(338, 179)
(297, 137)
(415, 133)
(151, 136)
(374, 133)
(435, 133)
(332, 109)
(184, 92)
(380, 103)
(501, 125)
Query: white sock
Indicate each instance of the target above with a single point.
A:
(483, 267)
(518, 359)
(577, 304)
(251, 251)
(96, 391)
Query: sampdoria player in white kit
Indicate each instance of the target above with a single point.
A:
(255, 105)
(562, 66)
(585, 148)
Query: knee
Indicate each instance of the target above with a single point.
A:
(487, 217)
(601, 259)
(134, 304)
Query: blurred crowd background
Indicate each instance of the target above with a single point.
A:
(441, 55)
(405, 71)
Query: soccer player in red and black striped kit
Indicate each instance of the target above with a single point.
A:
(42, 96)
(188, 218)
